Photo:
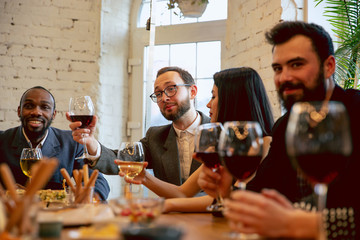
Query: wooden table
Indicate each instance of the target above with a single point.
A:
(199, 226)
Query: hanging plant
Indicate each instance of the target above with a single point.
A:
(344, 17)
(189, 8)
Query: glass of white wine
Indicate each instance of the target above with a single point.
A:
(29, 157)
(131, 155)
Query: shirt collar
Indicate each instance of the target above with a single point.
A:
(191, 129)
(40, 144)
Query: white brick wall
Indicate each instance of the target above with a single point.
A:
(245, 42)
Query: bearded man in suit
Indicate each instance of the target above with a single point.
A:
(168, 149)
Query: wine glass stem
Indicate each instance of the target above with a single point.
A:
(242, 185)
(321, 191)
(85, 148)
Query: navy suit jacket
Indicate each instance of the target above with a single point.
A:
(59, 144)
(161, 152)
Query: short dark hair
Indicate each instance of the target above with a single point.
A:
(38, 87)
(242, 97)
(185, 75)
(320, 38)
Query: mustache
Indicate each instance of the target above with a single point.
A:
(289, 85)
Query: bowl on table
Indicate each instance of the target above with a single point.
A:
(142, 211)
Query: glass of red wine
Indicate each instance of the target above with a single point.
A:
(82, 109)
(206, 144)
(241, 147)
(318, 141)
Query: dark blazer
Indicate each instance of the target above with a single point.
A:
(59, 144)
(161, 152)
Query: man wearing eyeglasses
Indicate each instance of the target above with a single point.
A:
(169, 148)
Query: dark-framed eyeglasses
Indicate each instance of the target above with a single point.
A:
(169, 91)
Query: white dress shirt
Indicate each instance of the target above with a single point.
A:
(186, 146)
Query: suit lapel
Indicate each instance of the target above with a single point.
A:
(19, 142)
(170, 158)
(51, 147)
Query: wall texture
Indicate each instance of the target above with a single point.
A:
(55, 44)
(245, 40)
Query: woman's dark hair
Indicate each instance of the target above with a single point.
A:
(242, 97)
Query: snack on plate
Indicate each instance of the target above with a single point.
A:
(49, 195)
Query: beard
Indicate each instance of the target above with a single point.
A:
(183, 107)
(35, 133)
(316, 94)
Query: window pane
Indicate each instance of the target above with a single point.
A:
(208, 59)
(144, 14)
(184, 56)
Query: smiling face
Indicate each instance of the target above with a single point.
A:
(213, 104)
(173, 108)
(36, 112)
(298, 73)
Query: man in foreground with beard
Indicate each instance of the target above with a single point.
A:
(303, 65)
(36, 112)
(168, 149)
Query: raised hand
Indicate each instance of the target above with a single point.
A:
(88, 133)
(211, 181)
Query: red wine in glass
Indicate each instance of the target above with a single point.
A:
(206, 142)
(84, 119)
(82, 109)
(210, 159)
(242, 167)
(318, 142)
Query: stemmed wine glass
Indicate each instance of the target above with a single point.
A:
(132, 156)
(318, 143)
(29, 157)
(241, 147)
(206, 144)
(82, 109)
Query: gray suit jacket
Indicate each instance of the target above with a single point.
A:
(161, 152)
(59, 144)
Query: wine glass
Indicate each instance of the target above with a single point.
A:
(318, 143)
(206, 144)
(82, 109)
(241, 147)
(132, 156)
(29, 157)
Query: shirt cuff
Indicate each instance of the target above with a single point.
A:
(92, 160)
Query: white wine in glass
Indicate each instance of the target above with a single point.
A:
(132, 156)
(29, 157)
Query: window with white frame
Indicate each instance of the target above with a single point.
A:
(197, 49)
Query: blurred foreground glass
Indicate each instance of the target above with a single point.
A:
(318, 143)
(206, 147)
(140, 211)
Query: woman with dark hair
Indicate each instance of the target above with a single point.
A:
(238, 94)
